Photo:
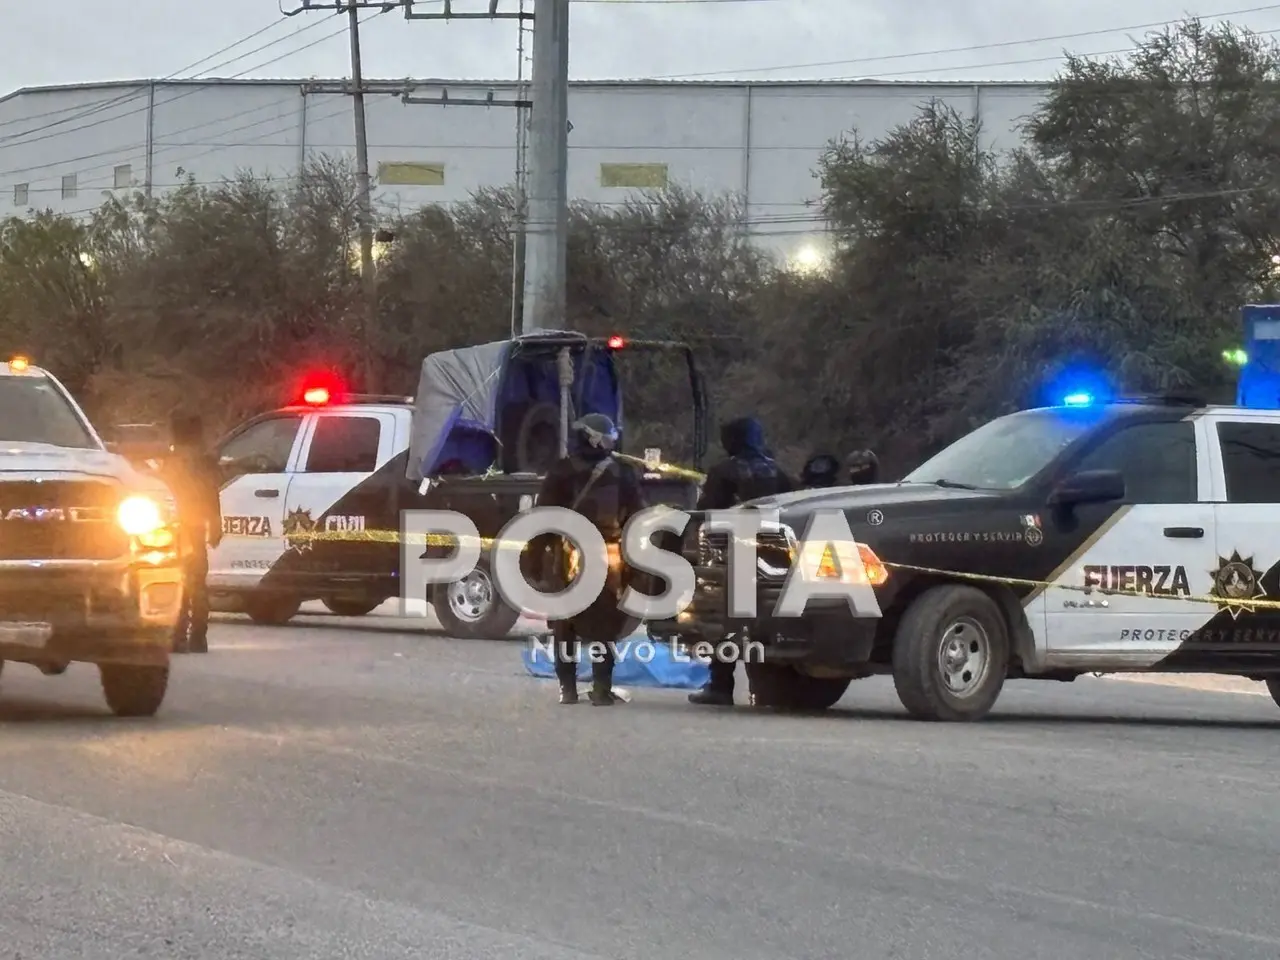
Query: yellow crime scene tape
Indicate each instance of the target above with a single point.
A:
(447, 540)
(1243, 604)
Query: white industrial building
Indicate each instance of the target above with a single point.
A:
(66, 148)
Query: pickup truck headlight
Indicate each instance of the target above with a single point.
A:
(140, 516)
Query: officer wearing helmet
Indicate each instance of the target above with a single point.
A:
(820, 470)
(606, 490)
(862, 467)
(748, 472)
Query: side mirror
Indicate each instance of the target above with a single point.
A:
(1088, 486)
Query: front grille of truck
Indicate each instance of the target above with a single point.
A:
(60, 520)
(712, 550)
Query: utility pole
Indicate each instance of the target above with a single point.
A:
(368, 274)
(545, 253)
(546, 242)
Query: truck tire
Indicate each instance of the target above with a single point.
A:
(471, 608)
(351, 606)
(271, 609)
(951, 654)
(133, 691)
(785, 688)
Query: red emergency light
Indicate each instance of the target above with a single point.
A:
(321, 388)
(616, 342)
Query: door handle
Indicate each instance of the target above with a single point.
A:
(1184, 533)
(267, 494)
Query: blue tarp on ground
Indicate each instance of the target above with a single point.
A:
(661, 672)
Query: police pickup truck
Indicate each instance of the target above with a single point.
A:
(313, 492)
(89, 569)
(1050, 543)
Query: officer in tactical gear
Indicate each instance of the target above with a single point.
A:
(746, 473)
(862, 467)
(820, 470)
(192, 474)
(606, 490)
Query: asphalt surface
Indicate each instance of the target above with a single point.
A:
(321, 791)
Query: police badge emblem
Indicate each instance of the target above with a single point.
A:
(1237, 582)
(1031, 532)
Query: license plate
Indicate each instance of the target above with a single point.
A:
(25, 633)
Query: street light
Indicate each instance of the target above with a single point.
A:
(809, 260)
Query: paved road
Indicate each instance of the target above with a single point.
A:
(318, 792)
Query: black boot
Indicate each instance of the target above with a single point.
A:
(602, 686)
(719, 691)
(567, 670)
(567, 675)
(709, 696)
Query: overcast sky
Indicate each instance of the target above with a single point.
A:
(72, 41)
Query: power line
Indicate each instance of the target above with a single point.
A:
(826, 95)
(1014, 63)
(21, 139)
(138, 94)
(817, 65)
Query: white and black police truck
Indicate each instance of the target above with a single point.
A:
(312, 493)
(89, 563)
(1050, 543)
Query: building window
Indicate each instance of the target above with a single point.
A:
(20, 192)
(124, 176)
(69, 187)
(411, 174)
(644, 176)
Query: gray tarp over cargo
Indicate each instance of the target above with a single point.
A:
(456, 387)
(460, 388)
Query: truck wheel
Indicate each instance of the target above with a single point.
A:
(785, 688)
(351, 606)
(271, 610)
(134, 691)
(951, 654)
(471, 608)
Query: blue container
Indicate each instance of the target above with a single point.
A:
(1259, 386)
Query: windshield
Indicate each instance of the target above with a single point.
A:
(36, 411)
(1006, 453)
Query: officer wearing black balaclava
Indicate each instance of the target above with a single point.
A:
(862, 467)
(746, 473)
(606, 490)
(820, 470)
(192, 475)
